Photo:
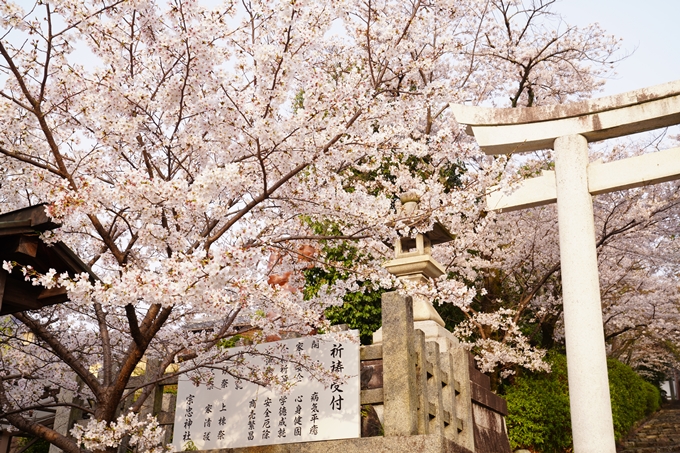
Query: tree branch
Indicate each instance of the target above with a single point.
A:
(61, 351)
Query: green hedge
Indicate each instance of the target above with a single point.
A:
(632, 397)
(538, 406)
(39, 446)
(538, 410)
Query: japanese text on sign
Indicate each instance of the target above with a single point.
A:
(231, 412)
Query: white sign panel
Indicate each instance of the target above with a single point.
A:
(231, 413)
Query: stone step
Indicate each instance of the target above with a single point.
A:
(659, 434)
(656, 448)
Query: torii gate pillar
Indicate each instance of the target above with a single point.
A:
(568, 129)
(584, 334)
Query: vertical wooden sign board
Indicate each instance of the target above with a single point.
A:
(229, 412)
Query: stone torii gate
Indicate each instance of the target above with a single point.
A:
(567, 129)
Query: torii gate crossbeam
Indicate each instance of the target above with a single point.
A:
(567, 129)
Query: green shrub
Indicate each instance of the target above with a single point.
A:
(360, 311)
(632, 397)
(31, 445)
(538, 410)
(538, 405)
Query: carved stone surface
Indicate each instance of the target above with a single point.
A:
(418, 443)
(399, 371)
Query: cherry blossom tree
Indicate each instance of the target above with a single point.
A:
(518, 306)
(190, 152)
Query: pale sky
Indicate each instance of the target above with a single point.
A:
(650, 28)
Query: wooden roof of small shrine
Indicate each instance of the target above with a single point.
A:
(20, 242)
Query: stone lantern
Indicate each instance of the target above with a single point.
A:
(413, 263)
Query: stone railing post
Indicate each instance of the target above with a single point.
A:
(421, 387)
(449, 395)
(457, 360)
(434, 389)
(399, 366)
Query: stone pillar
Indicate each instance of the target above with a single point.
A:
(5, 441)
(399, 366)
(152, 405)
(672, 386)
(65, 417)
(591, 415)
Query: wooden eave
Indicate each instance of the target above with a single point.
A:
(20, 242)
